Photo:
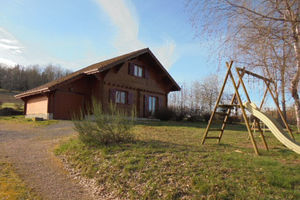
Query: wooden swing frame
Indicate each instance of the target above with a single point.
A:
(241, 72)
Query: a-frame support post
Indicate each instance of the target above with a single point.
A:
(218, 101)
(228, 112)
(240, 104)
(264, 97)
(280, 112)
(243, 112)
(255, 120)
(261, 104)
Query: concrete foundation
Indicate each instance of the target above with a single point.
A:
(42, 115)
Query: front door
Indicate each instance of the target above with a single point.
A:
(150, 105)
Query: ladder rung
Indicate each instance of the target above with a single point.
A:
(212, 138)
(228, 105)
(215, 129)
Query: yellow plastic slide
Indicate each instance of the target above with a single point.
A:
(274, 127)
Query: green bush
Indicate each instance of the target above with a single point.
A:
(179, 116)
(164, 114)
(233, 119)
(9, 112)
(195, 118)
(206, 116)
(113, 126)
(19, 106)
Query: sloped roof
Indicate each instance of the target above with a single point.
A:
(97, 67)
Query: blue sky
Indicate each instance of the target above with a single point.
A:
(77, 33)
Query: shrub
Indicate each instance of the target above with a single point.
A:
(206, 116)
(111, 127)
(164, 114)
(19, 106)
(233, 119)
(179, 116)
(194, 118)
(9, 112)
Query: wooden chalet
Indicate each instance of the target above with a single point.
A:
(134, 80)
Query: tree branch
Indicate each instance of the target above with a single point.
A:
(260, 14)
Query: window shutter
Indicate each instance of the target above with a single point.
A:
(130, 98)
(146, 99)
(146, 73)
(130, 68)
(112, 95)
(160, 102)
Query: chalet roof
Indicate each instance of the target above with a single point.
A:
(95, 68)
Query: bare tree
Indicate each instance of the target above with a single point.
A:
(23, 78)
(232, 21)
(209, 92)
(197, 97)
(196, 89)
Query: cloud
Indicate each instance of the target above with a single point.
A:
(166, 53)
(13, 52)
(123, 17)
(127, 24)
(10, 48)
(9, 42)
(7, 62)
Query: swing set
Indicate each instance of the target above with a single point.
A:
(266, 119)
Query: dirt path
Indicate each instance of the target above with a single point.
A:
(30, 149)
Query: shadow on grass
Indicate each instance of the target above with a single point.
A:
(233, 126)
(156, 146)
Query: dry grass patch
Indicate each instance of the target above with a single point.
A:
(11, 186)
(22, 119)
(168, 162)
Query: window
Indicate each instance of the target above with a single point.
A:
(121, 97)
(138, 71)
(152, 104)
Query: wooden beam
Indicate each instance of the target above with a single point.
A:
(249, 100)
(243, 112)
(255, 75)
(280, 112)
(228, 112)
(218, 101)
(263, 99)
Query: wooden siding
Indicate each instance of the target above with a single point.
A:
(120, 79)
(37, 105)
(67, 104)
(72, 96)
(69, 99)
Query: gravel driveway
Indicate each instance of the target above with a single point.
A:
(30, 150)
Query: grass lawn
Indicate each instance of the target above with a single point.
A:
(8, 97)
(168, 162)
(22, 119)
(16, 106)
(11, 186)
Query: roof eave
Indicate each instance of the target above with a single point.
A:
(40, 91)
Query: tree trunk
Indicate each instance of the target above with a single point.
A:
(276, 96)
(295, 80)
(283, 105)
(283, 101)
